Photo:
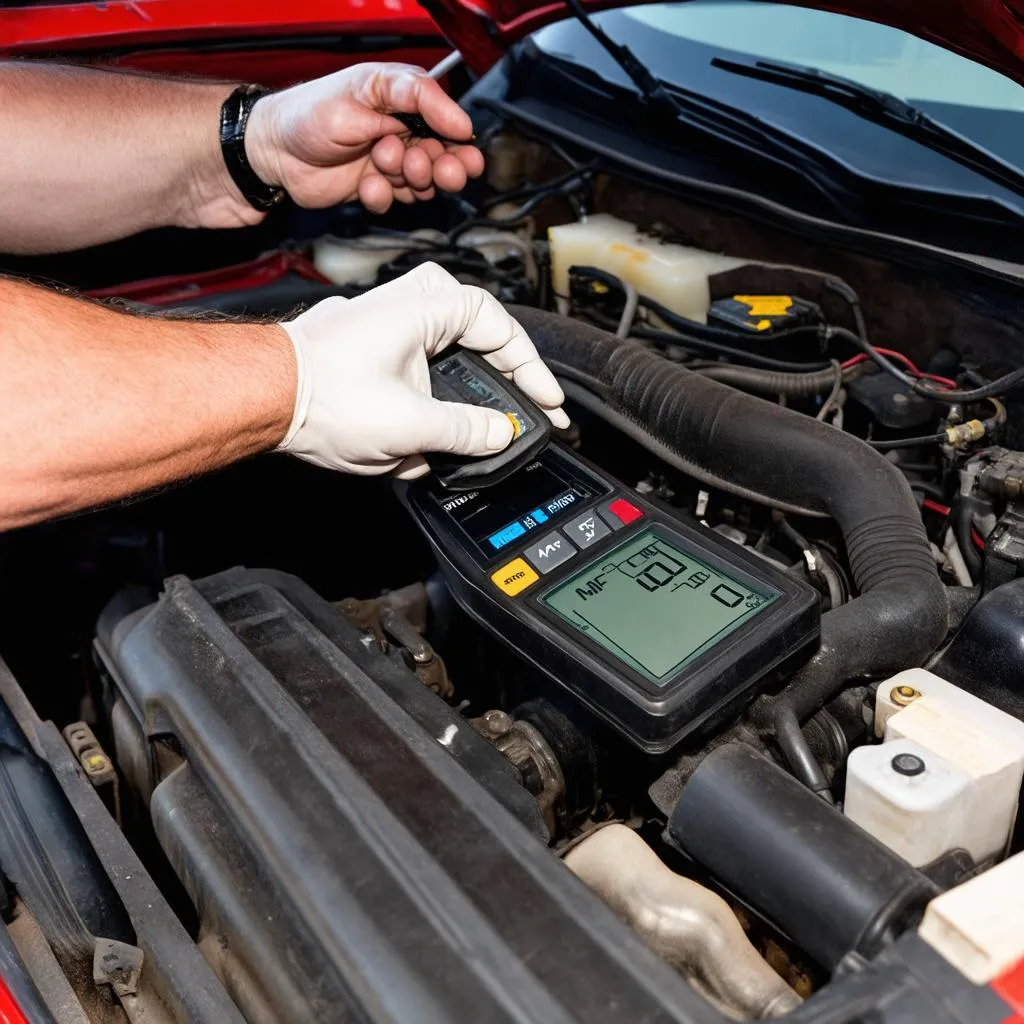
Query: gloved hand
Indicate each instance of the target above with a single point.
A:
(363, 402)
(331, 140)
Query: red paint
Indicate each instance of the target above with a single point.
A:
(162, 291)
(9, 1011)
(624, 511)
(275, 68)
(83, 27)
(988, 31)
(1009, 986)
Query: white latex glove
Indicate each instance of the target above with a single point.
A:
(363, 403)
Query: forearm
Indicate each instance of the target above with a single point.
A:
(90, 156)
(98, 405)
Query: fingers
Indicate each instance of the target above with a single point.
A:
(412, 468)
(376, 193)
(418, 168)
(425, 164)
(449, 173)
(457, 429)
(412, 91)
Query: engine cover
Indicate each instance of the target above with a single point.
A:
(353, 848)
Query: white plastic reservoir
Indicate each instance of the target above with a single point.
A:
(966, 796)
(909, 798)
(674, 275)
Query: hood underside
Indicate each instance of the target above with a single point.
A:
(990, 32)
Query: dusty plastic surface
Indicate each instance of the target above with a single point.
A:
(674, 275)
(979, 926)
(918, 814)
(992, 758)
(345, 864)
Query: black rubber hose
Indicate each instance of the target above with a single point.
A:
(778, 455)
(963, 521)
(772, 382)
(802, 762)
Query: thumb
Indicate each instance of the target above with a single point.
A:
(457, 429)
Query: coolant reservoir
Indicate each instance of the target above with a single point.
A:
(980, 741)
(356, 260)
(908, 798)
(674, 275)
(993, 759)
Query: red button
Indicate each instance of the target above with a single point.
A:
(624, 511)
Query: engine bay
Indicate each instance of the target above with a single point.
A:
(740, 650)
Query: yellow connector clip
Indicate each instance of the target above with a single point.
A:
(965, 433)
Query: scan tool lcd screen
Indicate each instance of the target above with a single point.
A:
(655, 606)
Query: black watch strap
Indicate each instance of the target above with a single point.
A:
(234, 116)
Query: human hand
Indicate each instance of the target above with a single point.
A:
(363, 402)
(331, 140)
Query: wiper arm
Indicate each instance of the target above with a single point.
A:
(885, 109)
(639, 74)
(704, 114)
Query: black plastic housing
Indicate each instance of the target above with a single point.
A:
(834, 889)
(653, 717)
(345, 865)
(986, 657)
(462, 376)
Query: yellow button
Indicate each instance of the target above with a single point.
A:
(517, 425)
(514, 578)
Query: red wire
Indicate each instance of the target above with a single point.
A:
(934, 506)
(979, 541)
(10, 1012)
(900, 358)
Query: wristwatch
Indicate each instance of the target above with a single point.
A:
(234, 116)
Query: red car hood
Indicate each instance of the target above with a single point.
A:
(988, 31)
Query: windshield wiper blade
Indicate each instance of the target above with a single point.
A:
(706, 115)
(884, 109)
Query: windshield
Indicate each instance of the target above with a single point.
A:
(981, 104)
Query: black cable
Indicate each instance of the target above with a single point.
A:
(545, 186)
(691, 339)
(852, 299)
(908, 442)
(962, 516)
(802, 762)
(1007, 382)
(793, 535)
(933, 491)
(708, 336)
(602, 408)
(557, 187)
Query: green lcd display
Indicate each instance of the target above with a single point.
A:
(655, 606)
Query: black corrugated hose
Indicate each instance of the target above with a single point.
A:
(775, 455)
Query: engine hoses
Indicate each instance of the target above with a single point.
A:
(780, 457)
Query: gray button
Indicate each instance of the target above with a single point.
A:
(549, 552)
(586, 529)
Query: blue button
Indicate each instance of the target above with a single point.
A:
(541, 517)
(506, 536)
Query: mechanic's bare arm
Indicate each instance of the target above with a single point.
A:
(96, 405)
(92, 155)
